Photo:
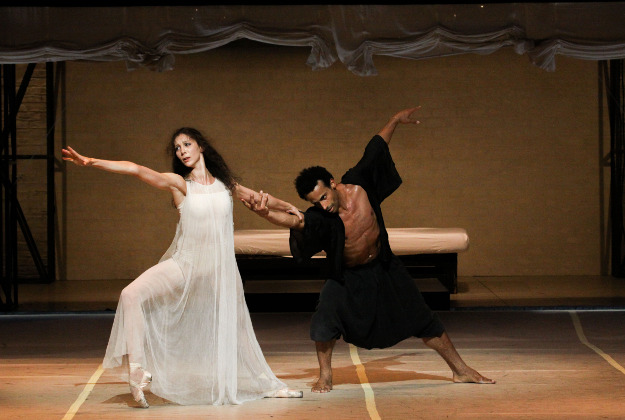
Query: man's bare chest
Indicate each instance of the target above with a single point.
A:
(358, 216)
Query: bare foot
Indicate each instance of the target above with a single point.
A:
(322, 385)
(472, 376)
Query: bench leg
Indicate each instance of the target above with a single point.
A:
(448, 272)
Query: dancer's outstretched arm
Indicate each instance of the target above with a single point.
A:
(164, 181)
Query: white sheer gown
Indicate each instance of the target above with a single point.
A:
(185, 319)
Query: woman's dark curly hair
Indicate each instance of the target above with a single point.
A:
(307, 179)
(215, 164)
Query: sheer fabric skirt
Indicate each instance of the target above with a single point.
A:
(185, 319)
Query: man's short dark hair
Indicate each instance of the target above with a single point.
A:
(307, 179)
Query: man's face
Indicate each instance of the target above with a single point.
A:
(324, 197)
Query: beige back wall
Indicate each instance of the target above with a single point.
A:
(505, 150)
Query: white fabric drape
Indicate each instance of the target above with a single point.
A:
(351, 34)
(185, 320)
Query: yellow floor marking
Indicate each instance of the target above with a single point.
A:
(582, 338)
(84, 394)
(364, 382)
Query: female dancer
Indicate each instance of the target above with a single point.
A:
(185, 319)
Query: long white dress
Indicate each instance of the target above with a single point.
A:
(185, 319)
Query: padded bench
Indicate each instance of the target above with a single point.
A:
(426, 253)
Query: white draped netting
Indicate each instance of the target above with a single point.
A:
(351, 34)
(185, 319)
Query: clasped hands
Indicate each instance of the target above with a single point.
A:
(261, 206)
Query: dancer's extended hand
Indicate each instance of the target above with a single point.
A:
(76, 158)
(258, 207)
(261, 207)
(406, 116)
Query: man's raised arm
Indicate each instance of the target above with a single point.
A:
(279, 218)
(403, 117)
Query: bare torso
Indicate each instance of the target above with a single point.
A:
(361, 226)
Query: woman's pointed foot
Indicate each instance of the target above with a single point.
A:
(137, 385)
(287, 393)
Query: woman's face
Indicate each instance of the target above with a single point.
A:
(187, 150)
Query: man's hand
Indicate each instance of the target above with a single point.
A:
(295, 212)
(406, 116)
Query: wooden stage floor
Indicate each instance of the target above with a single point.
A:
(555, 355)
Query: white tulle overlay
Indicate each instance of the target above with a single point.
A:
(185, 319)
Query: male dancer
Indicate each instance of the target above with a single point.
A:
(369, 299)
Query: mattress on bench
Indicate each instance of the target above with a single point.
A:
(404, 241)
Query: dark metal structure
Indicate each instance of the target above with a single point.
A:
(615, 89)
(12, 215)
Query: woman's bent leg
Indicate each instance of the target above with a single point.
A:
(129, 329)
(142, 294)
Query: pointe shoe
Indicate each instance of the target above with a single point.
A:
(136, 388)
(287, 393)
